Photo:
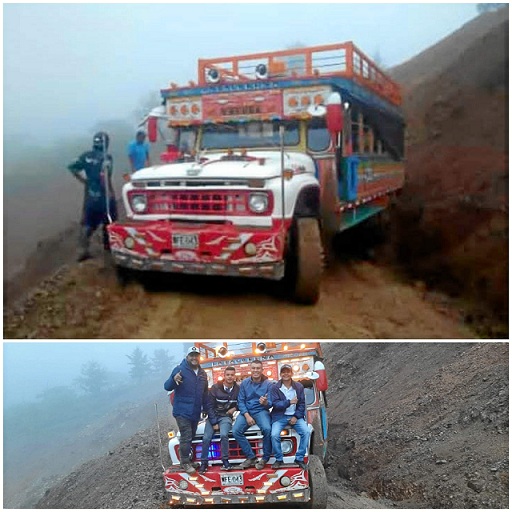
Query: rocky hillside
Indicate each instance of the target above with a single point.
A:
(412, 425)
(424, 424)
(453, 213)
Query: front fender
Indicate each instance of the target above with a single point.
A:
(308, 202)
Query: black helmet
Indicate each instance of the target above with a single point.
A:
(97, 141)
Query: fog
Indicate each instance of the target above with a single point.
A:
(31, 369)
(69, 402)
(69, 66)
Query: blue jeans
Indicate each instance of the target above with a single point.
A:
(301, 427)
(224, 424)
(262, 419)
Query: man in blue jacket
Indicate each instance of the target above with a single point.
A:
(289, 410)
(254, 404)
(190, 385)
(221, 406)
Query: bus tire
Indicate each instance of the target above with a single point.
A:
(318, 483)
(308, 261)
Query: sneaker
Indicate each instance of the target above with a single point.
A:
(261, 464)
(203, 468)
(186, 466)
(248, 463)
(301, 464)
(226, 465)
(196, 465)
(277, 464)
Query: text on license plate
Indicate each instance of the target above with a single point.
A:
(236, 479)
(184, 241)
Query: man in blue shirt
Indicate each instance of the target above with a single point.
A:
(138, 152)
(289, 409)
(254, 404)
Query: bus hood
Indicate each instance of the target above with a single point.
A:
(265, 165)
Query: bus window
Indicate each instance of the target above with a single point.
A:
(318, 137)
(309, 391)
(187, 139)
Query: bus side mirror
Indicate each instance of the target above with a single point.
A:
(152, 129)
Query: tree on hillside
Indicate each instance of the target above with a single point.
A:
(140, 365)
(161, 362)
(93, 377)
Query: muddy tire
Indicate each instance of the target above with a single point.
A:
(330, 217)
(318, 483)
(308, 261)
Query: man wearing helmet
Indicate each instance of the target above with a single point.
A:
(92, 168)
(138, 152)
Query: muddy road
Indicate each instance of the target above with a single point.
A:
(359, 299)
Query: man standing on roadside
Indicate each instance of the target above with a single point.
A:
(190, 385)
(221, 406)
(138, 152)
(254, 405)
(94, 170)
(289, 410)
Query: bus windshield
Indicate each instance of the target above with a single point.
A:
(254, 134)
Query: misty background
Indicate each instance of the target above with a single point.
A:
(66, 403)
(73, 69)
(33, 368)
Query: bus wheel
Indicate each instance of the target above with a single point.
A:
(308, 260)
(318, 483)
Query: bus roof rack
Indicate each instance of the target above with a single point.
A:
(343, 60)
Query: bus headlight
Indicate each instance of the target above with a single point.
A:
(285, 481)
(183, 485)
(286, 447)
(139, 202)
(258, 203)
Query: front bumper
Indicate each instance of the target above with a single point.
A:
(218, 249)
(259, 487)
(302, 496)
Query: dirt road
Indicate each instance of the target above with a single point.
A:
(359, 299)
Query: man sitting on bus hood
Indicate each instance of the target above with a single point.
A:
(289, 410)
(254, 404)
(190, 385)
(221, 406)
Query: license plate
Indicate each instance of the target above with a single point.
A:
(235, 479)
(184, 241)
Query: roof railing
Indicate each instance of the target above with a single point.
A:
(335, 60)
(237, 349)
